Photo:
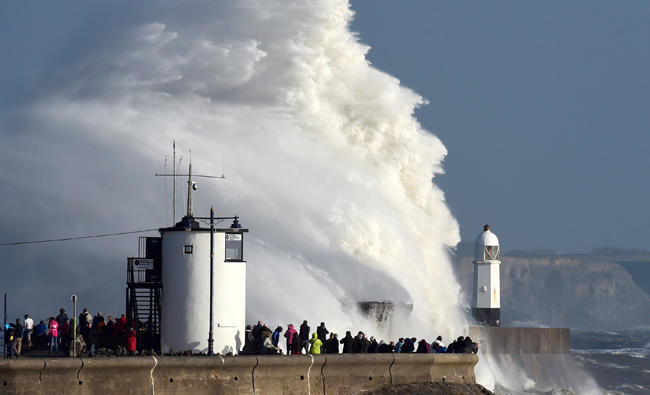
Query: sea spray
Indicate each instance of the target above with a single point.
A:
(324, 159)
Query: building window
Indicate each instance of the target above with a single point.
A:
(188, 248)
(491, 253)
(234, 247)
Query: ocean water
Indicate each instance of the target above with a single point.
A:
(619, 361)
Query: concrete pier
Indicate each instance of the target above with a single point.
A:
(519, 340)
(320, 374)
(541, 355)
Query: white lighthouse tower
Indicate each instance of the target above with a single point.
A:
(486, 307)
(187, 321)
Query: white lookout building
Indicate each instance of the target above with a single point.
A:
(486, 300)
(174, 279)
(185, 298)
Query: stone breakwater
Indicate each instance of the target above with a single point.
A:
(320, 374)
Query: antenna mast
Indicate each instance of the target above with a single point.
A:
(189, 188)
(174, 182)
(191, 185)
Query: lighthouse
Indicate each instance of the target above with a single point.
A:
(486, 306)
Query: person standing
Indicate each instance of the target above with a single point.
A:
(97, 318)
(61, 316)
(257, 331)
(90, 338)
(29, 329)
(59, 319)
(372, 348)
(275, 338)
(65, 334)
(423, 347)
(248, 336)
(360, 344)
(109, 340)
(9, 338)
(296, 344)
(315, 344)
(399, 345)
(365, 343)
(385, 348)
(16, 345)
(41, 335)
(347, 342)
(120, 330)
(289, 334)
(84, 318)
(322, 332)
(304, 336)
(131, 341)
(332, 344)
(409, 345)
(268, 348)
(53, 328)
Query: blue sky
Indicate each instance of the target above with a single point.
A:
(543, 106)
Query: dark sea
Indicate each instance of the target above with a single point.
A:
(619, 361)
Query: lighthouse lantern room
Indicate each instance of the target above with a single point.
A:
(486, 307)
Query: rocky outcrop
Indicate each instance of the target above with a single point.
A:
(571, 291)
(431, 388)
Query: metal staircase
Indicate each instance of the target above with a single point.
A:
(144, 287)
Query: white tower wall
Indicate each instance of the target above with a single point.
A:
(185, 318)
(487, 288)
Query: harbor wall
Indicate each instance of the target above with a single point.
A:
(519, 340)
(540, 357)
(320, 374)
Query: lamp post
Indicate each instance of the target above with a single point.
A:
(4, 329)
(210, 336)
(74, 326)
(212, 219)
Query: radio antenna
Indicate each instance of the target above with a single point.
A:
(174, 182)
(191, 184)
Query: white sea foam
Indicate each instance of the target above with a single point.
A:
(324, 159)
(629, 352)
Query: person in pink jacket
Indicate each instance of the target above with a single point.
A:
(53, 328)
(289, 335)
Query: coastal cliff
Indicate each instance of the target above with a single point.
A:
(590, 291)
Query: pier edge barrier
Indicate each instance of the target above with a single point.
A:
(353, 373)
(319, 374)
(422, 368)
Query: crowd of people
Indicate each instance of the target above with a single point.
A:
(260, 340)
(55, 334)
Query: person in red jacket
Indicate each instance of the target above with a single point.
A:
(131, 341)
(119, 331)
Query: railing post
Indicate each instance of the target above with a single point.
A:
(74, 326)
